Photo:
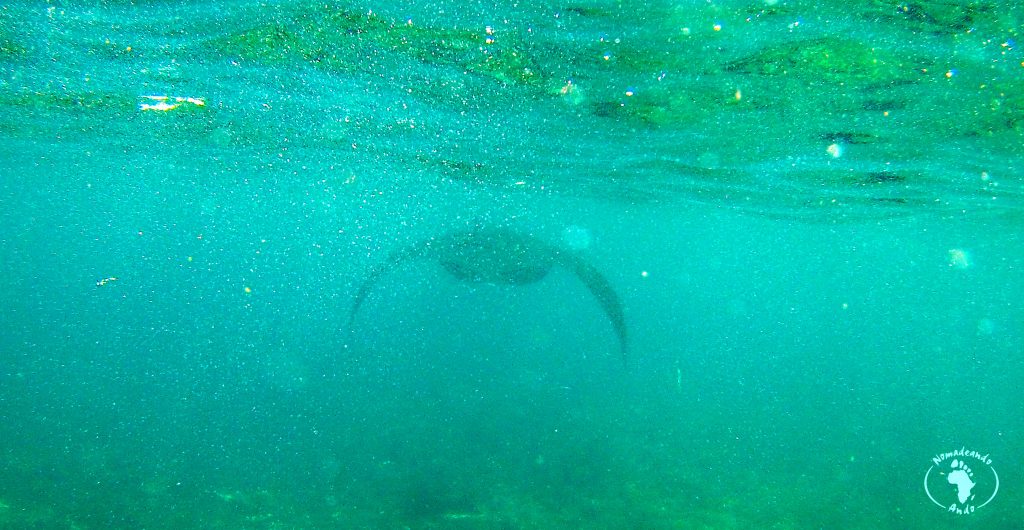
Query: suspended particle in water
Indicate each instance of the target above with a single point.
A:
(959, 258)
(577, 237)
(986, 327)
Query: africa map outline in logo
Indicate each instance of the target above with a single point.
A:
(957, 478)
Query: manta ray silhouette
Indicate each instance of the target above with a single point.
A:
(501, 255)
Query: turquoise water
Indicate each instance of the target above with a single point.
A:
(810, 212)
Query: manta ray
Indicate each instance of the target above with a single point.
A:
(501, 255)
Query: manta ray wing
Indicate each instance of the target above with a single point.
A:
(395, 259)
(603, 291)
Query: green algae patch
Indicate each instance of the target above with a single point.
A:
(9, 47)
(66, 100)
(73, 114)
(829, 59)
(345, 42)
(676, 106)
(271, 43)
(941, 17)
(1004, 110)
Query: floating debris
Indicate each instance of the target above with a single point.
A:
(168, 103)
